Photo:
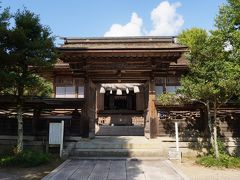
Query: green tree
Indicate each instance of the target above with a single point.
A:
(214, 62)
(194, 38)
(228, 27)
(25, 47)
(4, 31)
(214, 76)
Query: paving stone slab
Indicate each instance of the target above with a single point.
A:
(116, 169)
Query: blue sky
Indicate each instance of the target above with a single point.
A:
(93, 18)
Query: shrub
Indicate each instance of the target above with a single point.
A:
(225, 159)
(167, 99)
(221, 148)
(26, 159)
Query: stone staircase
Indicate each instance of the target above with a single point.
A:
(119, 131)
(116, 146)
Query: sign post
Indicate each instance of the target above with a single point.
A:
(56, 134)
(177, 140)
(175, 154)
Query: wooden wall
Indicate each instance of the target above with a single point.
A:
(229, 122)
(190, 123)
(194, 124)
(76, 126)
(8, 126)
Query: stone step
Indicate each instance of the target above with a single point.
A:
(86, 145)
(118, 153)
(119, 131)
(121, 146)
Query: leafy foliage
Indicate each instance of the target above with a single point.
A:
(167, 99)
(4, 24)
(37, 86)
(228, 26)
(217, 81)
(24, 48)
(214, 76)
(215, 57)
(26, 158)
(225, 159)
(27, 44)
(194, 38)
(214, 68)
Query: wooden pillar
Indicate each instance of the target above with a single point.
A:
(204, 121)
(35, 119)
(151, 118)
(165, 85)
(96, 102)
(146, 109)
(86, 104)
(140, 100)
(100, 99)
(90, 106)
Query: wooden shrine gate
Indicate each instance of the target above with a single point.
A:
(149, 61)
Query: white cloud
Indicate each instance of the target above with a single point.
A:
(133, 28)
(165, 21)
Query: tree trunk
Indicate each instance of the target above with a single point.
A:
(215, 131)
(20, 128)
(210, 124)
(20, 118)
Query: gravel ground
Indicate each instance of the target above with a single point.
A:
(14, 173)
(197, 172)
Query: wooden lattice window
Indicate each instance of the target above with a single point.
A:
(65, 92)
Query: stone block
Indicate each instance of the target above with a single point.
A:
(173, 154)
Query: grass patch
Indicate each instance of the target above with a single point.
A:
(225, 161)
(25, 159)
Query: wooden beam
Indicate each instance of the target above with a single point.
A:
(169, 54)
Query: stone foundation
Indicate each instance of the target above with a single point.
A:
(121, 120)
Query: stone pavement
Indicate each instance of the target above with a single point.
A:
(7, 176)
(116, 169)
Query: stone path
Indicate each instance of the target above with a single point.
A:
(7, 176)
(116, 170)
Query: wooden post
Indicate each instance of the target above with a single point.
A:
(151, 130)
(204, 122)
(146, 113)
(100, 99)
(62, 136)
(85, 108)
(176, 133)
(90, 106)
(34, 120)
(165, 85)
